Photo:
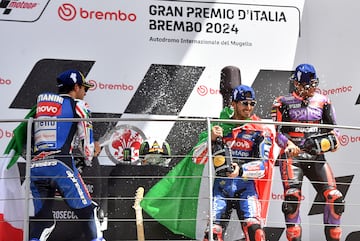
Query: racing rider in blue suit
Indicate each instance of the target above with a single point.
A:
(52, 165)
(251, 150)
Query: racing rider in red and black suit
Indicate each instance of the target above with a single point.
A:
(303, 149)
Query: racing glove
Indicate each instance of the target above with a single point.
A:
(253, 169)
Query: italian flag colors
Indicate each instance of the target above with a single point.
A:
(180, 201)
(12, 198)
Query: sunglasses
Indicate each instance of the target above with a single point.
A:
(313, 83)
(85, 87)
(246, 103)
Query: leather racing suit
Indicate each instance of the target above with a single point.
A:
(53, 167)
(317, 110)
(251, 146)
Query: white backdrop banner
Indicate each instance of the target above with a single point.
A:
(162, 59)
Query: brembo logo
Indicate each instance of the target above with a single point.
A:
(69, 12)
(5, 81)
(336, 90)
(107, 86)
(203, 90)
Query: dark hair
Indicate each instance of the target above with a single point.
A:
(65, 89)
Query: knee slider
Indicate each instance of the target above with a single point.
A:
(256, 233)
(252, 227)
(335, 198)
(292, 201)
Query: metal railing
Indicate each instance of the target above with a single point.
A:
(207, 121)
